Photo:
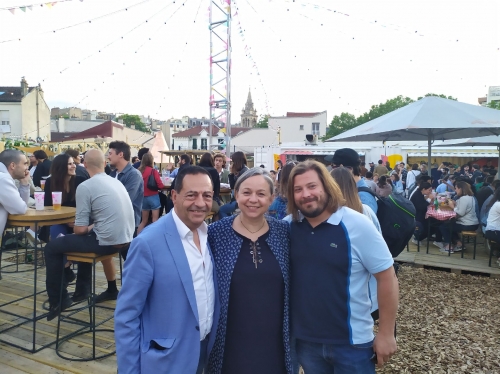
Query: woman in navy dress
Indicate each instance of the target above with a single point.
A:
(251, 258)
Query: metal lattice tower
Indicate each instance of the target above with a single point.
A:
(220, 68)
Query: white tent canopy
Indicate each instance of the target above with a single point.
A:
(159, 145)
(431, 118)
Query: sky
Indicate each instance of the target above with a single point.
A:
(306, 55)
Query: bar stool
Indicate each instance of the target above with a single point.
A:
(468, 235)
(91, 325)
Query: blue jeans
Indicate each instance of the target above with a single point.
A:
(446, 228)
(227, 209)
(317, 358)
(55, 230)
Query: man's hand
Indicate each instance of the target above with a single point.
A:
(26, 180)
(384, 346)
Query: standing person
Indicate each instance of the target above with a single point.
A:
(33, 163)
(370, 182)
(184, 161)
(238, 168)
(142, 152)
(105, 202)
(251, 257)
(207, 163)
(169, 299)
(42, 167)
(380, 169)
(436, 174)
(278, 206)
(396, 183)
(220, 166)
(388, 166)
(151, 201)
(412, 176)
(383, 188)
(131, 178)
(332, 326)
(362, 170)
(403, 173)
(349, 158)
(372, 167)
(80, 169)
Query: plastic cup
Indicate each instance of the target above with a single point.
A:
(56, 200)
(39, 200)
(42, 184)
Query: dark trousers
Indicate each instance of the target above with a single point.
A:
(54, 260)
(203, 356)
(493, 235)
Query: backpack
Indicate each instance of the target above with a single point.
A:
(396, 215)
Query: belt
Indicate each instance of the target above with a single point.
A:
(120, 246)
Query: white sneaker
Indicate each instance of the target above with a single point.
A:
(31, 235)
(438, 244)
(415, 242)
(444, 249)
(457, 249)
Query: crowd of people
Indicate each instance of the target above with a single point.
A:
(251, 292)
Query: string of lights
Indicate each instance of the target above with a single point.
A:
(76, 24)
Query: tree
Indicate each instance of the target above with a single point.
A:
(263, 122)
(494, 105)
(133, 119)
(443, 96)
(339, 124)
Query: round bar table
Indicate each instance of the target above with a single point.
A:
(46, 217)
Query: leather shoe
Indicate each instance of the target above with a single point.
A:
(80, 296)
(106, 295)
(55, 310)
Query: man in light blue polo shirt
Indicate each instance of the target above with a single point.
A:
(334, 250)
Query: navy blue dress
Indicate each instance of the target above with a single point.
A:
(254, 335)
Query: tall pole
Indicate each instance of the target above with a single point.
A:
(37, 115)
(220, 68)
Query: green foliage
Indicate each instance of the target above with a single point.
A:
(347, 121)
(263, 122)
(494, 105)
(133, 119)
(443, 96)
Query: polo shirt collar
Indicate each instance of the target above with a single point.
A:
(334, 219)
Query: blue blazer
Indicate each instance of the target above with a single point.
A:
(157, 306)
(226, 247)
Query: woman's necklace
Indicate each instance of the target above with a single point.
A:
(252, 232)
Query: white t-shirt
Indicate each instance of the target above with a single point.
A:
(493, 222)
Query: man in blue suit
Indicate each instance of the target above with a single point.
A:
(168, 308)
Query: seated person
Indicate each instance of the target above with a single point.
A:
(421, 199)
(467, 220)
(493, 221)
(421, 178)
(446, 185)
(397, 184)
(105, 201)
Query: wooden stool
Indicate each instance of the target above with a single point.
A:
(468, 235)
(89, 258)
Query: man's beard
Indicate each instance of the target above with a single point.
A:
(318, 211)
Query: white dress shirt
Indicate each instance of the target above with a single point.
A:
(201, 271)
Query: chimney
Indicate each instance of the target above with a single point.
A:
(24, 87)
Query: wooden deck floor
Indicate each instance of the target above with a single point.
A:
(14, 285)
(15, 360)
(454, 262)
